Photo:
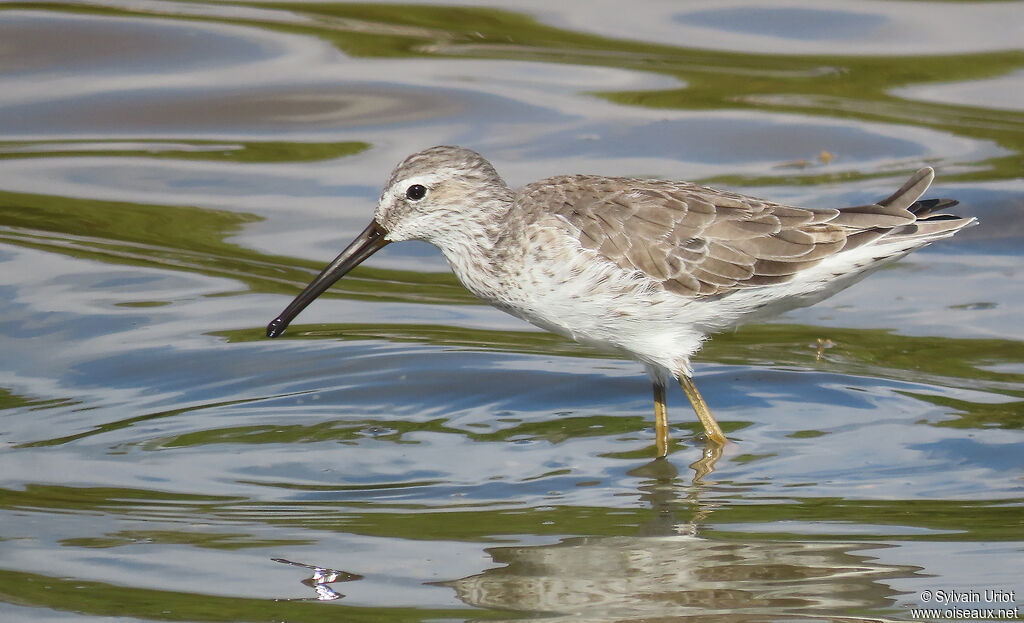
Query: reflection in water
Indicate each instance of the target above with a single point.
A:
(267, 108)
(673, 570)
(630, 578)
(706, 463)
(321, 579)
(786, 22)
(162, 163)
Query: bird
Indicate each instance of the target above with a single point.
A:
(646, 268)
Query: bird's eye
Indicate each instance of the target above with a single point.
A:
(416, 192)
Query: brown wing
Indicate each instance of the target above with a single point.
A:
(699, 241)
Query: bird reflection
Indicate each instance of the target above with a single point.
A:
(670, 569)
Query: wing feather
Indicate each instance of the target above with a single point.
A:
(697, 241)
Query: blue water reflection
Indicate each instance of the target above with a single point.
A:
(171, 173)
(787, 22)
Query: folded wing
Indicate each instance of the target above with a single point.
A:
(697, 241)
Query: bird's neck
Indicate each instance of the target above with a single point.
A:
(476, 230)
(475, 249)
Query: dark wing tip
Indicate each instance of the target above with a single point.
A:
(925, 207)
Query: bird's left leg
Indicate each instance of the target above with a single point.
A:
(660, 419)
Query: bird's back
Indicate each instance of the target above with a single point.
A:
(699, 242)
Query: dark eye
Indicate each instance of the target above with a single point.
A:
(416, 192)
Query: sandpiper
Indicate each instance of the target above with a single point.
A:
(648, 268)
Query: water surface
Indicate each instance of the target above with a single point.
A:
(172, 173)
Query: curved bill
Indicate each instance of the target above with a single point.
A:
(366, 244)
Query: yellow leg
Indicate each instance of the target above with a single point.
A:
(701, 408)
(660, 420)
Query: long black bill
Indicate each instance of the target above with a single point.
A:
(366, 244)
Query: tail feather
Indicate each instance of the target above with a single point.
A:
(930, 229)
(895, 210)
(929, 223)
(923, 220)
(911, 191)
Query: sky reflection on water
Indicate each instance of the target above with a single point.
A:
(172, 173)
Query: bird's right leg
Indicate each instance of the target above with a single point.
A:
(714, 432)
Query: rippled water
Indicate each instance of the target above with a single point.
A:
(172, 173)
